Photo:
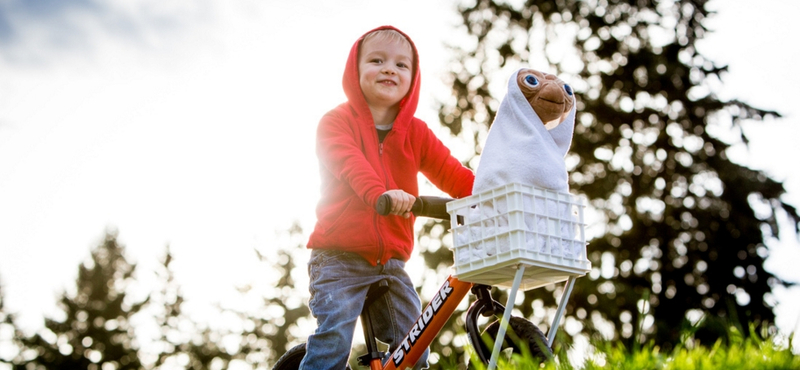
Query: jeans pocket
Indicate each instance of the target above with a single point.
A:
(319, 266)
(322, 257)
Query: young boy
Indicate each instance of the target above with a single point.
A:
(369, 146)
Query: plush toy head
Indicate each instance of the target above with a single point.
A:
(549, 97)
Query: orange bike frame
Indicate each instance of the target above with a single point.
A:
(430, 322)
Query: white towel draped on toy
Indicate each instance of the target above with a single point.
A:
(519, 149)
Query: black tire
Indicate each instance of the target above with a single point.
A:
(291, 359)
(520, 332)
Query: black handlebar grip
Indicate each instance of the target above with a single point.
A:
(433, 207)
(384, 205)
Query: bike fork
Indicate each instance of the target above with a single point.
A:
(484, 306)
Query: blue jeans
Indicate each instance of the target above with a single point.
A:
(338, 284)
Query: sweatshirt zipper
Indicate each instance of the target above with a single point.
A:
(386, 181)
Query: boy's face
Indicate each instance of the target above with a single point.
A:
(384, 69)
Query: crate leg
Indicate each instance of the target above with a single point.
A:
(501, 332)
(551, 334)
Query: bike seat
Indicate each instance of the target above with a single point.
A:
(376, 290)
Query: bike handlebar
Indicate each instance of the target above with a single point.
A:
(424, 206)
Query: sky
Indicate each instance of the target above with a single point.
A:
(191, 124)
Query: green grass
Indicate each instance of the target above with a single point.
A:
(739, 353)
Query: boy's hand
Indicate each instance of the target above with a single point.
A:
(401, 202)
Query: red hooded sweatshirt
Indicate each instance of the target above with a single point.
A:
(355, 170)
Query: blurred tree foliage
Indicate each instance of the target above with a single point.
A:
(182, 342)
(683, 227)
(256, 335)
(274, 327)
(10, 344)
(96, 327)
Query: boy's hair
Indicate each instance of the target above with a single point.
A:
(388, 35)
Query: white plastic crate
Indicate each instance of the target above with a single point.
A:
(512, 225)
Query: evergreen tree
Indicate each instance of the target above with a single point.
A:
(96, 328)
(681, 233)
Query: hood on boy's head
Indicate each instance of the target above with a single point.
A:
(352, 87)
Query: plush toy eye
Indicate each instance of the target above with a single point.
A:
(568, 89)
(531, 81)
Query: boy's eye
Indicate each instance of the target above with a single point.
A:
(375, 61)
(402, 65)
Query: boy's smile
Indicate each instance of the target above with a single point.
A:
(385, 71)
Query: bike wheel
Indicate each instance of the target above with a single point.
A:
(291, 359)
(520, 332)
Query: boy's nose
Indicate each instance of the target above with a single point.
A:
(388, 69)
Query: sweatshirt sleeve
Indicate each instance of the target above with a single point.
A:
(440, 167)
(341, 154)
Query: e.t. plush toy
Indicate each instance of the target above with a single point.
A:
(530, 135)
